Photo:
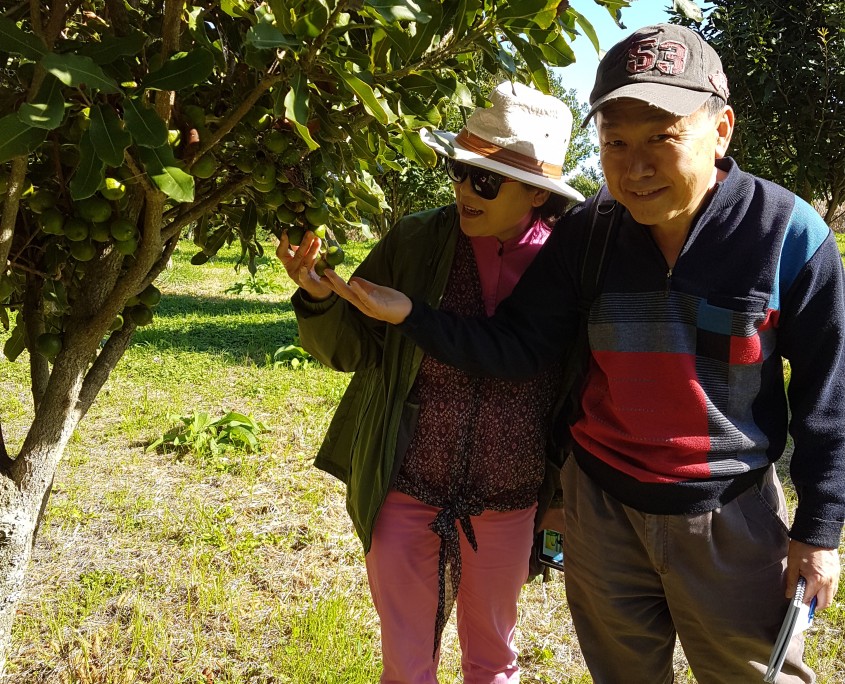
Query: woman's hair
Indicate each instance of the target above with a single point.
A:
(552, 210)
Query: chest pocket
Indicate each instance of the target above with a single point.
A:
(733, 330)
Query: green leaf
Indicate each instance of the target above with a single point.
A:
(365, 94)
(587, 28)
(394, 12)
(47, 111)
(16, 138)
(542, 13)
(89, 172)
(366, 201)
(426, 35)
(160, 165)
(265, 36)
(414, 148)
(107, 133)
(310, 24)
(688, 9)
(17, 40)
(558, 52)
(111, 48)
(296, 108)
(281, 13)
(235, 8)
(16, 343)
(534, 59)
(75, 70)
(249, 221)
(182, 70)
(144, 125)
(216, 240)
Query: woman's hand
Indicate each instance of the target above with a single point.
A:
(299, 264)
(376, 301)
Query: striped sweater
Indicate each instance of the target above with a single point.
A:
(684, 403)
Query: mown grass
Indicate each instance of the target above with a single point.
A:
(166, 567)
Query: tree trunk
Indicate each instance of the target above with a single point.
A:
(17, 524)
(26, 481)
(22, 491)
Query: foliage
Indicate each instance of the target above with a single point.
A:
(293, 356)
(263, 281)
(588, 181)
(785, 62)
(203, 436)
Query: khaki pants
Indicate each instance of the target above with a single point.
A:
(635, 581)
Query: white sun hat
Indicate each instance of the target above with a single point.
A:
(523, 135)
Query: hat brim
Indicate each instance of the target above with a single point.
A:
(443, 142)
(672, 99)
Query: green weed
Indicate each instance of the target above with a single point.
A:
(293, 356)
(206, 437)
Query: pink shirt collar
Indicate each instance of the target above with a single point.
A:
(501, 264)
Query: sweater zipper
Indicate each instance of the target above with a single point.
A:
(668, 281)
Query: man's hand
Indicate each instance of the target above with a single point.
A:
(553, 520)
(376, 301)
(819, 566)
(299, 264)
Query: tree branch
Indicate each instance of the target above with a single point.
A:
(234, 117)
(448, 45)
(5, 460)
(100, 370)
(10, 208)
(161, 264)
(198, 209)
(33, 317)
(319, 41)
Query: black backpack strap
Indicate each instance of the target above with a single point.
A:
(604, 225)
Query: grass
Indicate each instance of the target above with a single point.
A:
(169, 567)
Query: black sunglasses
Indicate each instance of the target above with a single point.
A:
(485, 183)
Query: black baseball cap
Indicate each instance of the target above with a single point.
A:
(669, 67)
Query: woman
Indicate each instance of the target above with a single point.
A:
(442, 469)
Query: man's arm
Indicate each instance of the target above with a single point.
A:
(530, 329)
(812, 338)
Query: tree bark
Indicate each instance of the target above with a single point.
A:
(17, 525)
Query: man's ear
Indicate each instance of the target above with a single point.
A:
(724, 131)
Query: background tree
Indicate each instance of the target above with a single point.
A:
(123, 123)
(784, 61)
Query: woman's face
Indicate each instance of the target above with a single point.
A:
(506, 216)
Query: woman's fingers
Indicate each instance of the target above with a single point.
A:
(377, 301)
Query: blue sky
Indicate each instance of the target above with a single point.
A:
(641, 13)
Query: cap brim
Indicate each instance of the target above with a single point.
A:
(677, 101)
(443, 142)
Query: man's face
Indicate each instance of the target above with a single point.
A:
(658, 165)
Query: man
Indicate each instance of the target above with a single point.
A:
(675, 519)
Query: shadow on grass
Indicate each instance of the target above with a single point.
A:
(253, 336)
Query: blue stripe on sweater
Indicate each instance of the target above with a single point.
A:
(803, 236)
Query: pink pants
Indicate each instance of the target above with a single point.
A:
(402, 571)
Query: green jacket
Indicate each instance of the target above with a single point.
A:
(376, 417)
